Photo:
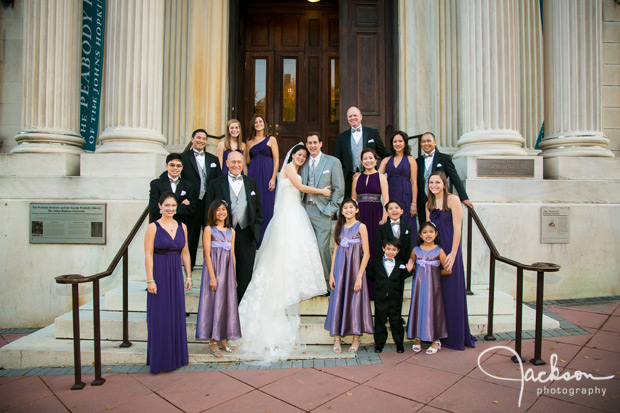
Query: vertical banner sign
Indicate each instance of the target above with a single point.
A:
(93, 24)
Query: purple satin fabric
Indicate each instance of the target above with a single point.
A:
(349, 312)
(427, 317)
(261, 170)
(218, 317)
(399, 188)
(371, 212)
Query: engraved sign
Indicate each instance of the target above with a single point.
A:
(505, 168)
(554, 225)
(67, 223)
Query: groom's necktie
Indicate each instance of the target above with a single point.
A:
(312, 177)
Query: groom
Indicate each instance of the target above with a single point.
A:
(320, 171)
(241, 194)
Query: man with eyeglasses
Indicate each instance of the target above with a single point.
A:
(170, 181)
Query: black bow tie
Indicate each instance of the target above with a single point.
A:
(235, 178)
(358, 129)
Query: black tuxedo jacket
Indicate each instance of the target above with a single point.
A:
(406, 245)
(191, 173)
(220, 189)
(185, 190)
(392, 286)
(371, 140)
(441, 162)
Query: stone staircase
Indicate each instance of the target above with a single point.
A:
(52, 346)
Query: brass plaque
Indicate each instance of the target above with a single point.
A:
(505, 168)
(555, 225)
(67, 223)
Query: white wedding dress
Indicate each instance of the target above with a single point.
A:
(287, 270)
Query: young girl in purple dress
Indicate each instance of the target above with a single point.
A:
(427, 316)
(218, 317)
(349, 303)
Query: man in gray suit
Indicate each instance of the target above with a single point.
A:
(319, 171)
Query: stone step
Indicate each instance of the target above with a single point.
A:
(311, 328)
(43, 349)
(477, 304)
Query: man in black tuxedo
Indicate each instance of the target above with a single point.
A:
(389, 273)
(200, 168)
(171, 181)
(351, 143)
(430, 161)
(241, 194)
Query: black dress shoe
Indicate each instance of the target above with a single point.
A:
(400, 349)
(378, 349)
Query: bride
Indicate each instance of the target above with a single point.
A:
(287, 270)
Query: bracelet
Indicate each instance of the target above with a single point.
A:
(413, 204)
(188, 278)
(150, 281)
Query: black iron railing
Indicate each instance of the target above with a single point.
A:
(76, 279)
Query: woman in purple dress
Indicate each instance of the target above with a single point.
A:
(262, 156)
(349, 302)
(402, 172)
(370, 190)
(165, 248)
(445, 211)
(232, 142)
(218, 315)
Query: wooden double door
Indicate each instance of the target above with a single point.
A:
(286, 60)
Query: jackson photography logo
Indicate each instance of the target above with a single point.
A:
(528, 375)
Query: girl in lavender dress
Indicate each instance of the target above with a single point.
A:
(232, 142)
(262, 158)
(218, 317)
(402, 172)
(370, 190)
(165, 248)
(445, 211)
(349, 303)
(427, 317)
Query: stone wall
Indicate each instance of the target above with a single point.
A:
(611, 74)
(11, 44)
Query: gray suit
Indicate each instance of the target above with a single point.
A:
(321, 210)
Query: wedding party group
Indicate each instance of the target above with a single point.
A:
(267, 240)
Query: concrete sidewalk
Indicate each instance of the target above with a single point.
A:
(447, 381)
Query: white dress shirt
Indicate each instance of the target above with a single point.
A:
(235, 184)
(357, 135)
(200, 160)
(389, 266)
(172, 184)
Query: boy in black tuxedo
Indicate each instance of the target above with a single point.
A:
(389, 273)
(170, 181)
(397, 228)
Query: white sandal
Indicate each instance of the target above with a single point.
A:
(433, 350)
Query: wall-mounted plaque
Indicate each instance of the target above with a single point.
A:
(505, 168)
(555, 225)
(67, 223)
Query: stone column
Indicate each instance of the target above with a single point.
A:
(573, 44)
(51, 78)
(489, 92)
(133, 77)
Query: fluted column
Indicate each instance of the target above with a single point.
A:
(573, 43)
(51, 78)
(133, 77)
(489, 78)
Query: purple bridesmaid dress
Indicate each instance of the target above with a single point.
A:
(224, 157)
(427, 316)
(399, 187)
(368, 191)
(218, 315)
(261, 170)
(453, 287)
(349, 312)
(165, 311)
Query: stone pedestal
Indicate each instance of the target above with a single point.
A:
(574, 167)
(40, 164)
(149, 165)
(51, 79)
(573, 115)
(133, 78)
(489, 95)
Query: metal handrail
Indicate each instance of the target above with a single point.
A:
(539, 267)
(75, 279)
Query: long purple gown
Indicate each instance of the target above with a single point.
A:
(218, 315)
(427, 316)
(399, 188)
(165, 311)
(453, 287)
(371, 212)
(224, 157)
(261, 170)
(349, 312)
